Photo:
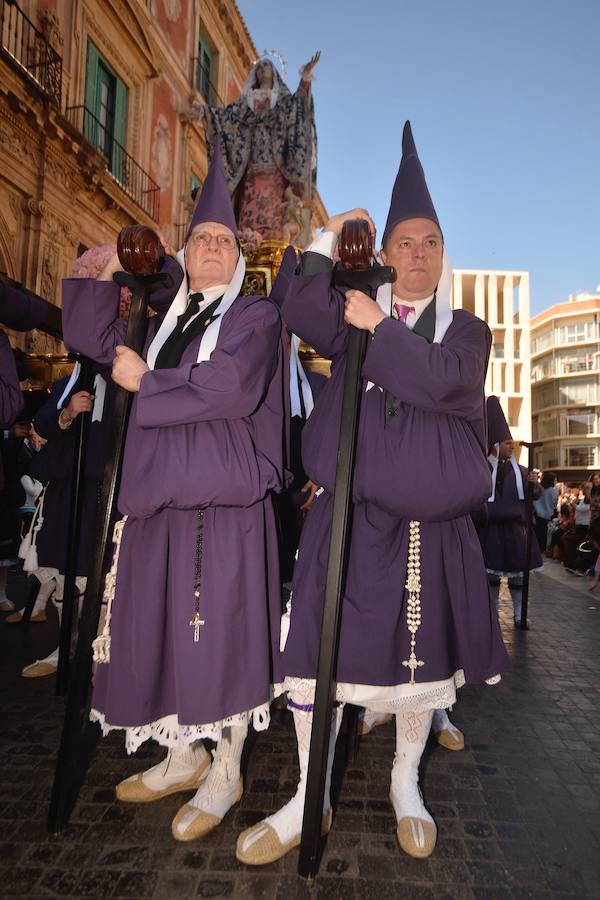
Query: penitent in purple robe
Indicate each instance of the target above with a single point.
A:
(503, 536)
(426, 463)
(203, 436)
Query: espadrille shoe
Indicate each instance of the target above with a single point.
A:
(451, 740)
(17, 617)
(133, 790)
(39, 669)
(366, 724)
(416, 837)
(259, 845)
(192, 823)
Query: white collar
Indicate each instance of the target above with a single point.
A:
(419, 306)
(211, 335)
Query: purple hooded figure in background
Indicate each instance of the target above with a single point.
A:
(503, 536)
(194, 594)
(417, 620)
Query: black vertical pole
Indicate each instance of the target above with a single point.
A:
(70, 761)
(528, 536)
(339, 544)
(73, 531)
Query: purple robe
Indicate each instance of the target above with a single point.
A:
(204, 436)
(53, 465)
(426, 463)
(11, 398)
(503, 536)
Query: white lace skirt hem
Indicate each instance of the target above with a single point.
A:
(168, 732)
(513, 574)
(390, 698)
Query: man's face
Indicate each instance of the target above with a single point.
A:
(507, 449)
(211, 255)
(414, 248)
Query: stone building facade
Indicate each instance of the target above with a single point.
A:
(94, 131)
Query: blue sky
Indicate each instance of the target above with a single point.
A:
(504, 100)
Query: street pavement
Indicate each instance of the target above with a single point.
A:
(518, 811)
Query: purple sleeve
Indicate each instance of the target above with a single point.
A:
(91, 323)
(314, 311)
(446, 378)
(229, 385)
(11, 398)
(597, 566)
(46, 418)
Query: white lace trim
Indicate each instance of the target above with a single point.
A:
(169, 733)
(416, 697)
(513, 574)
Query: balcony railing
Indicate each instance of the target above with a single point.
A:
(27, 47)
(134, 180)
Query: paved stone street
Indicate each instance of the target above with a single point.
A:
(518, 810)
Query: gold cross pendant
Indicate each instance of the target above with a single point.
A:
(196, 622)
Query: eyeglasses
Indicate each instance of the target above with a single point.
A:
(204, 239)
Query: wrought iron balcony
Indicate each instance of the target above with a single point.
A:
(27, 48)
(134, 180)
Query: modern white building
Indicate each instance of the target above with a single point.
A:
(501, 298)
(565, 374)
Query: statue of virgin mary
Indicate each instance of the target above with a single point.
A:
(268, 142)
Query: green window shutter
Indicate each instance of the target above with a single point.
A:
(205, 68)
(91, 80)
(119, 161)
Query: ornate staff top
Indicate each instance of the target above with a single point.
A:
(139, 250)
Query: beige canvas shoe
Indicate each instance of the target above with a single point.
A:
(416, 836)
(365, 727)
(38, 669)
(265, 847)
(200, 822)
(133, 790)
(451, 740)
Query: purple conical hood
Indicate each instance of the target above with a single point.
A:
(497, 426)
(214, 203)
(284, 276)
(410, 196)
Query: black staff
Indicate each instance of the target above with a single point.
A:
(73, 533)
(531, 445)
(356, 253)
(140, 252)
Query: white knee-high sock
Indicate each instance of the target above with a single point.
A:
(217, 794)
(177, 766)
(287, 823)
(441, 721)
(45, 592)
(412, 730)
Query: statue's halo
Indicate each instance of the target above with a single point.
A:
(275, 58)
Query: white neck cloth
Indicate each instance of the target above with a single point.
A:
(177, 307)
(443, 302)
(99, 392)
(297, 372)
(494, 460)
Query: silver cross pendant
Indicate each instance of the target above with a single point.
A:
(196, 622)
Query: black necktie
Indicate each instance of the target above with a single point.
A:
(169, 355)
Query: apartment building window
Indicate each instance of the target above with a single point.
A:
(581, 456)
(105, 115)
(546, 396)
(574, 333)
(550, 457)
(206, 71)
(579, 422)
(578, 392)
